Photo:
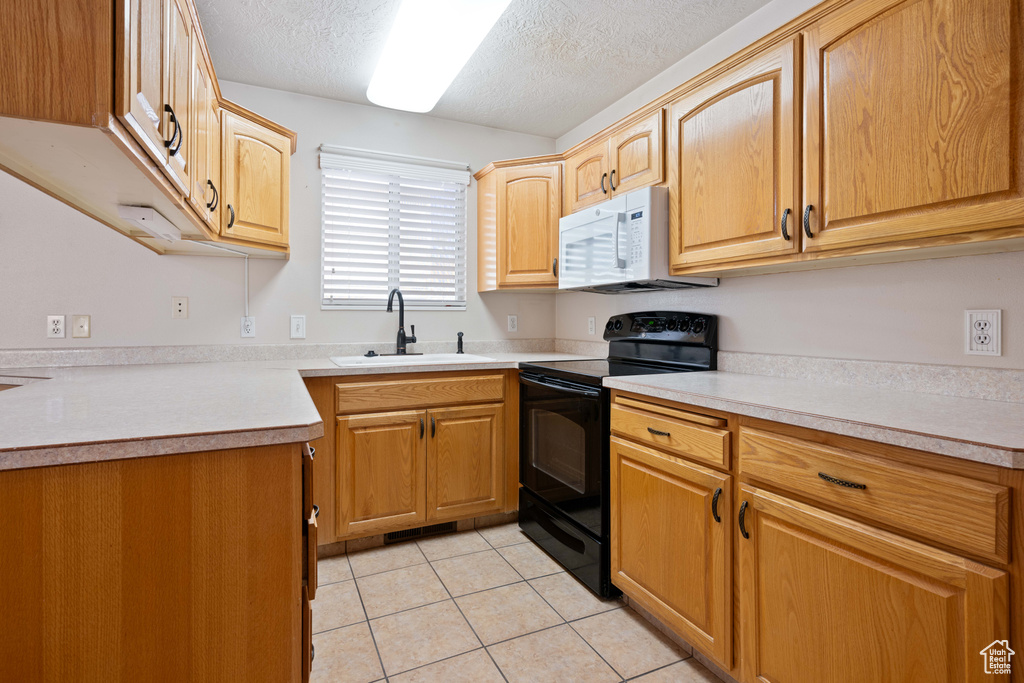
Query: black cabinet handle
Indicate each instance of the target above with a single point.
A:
(611, 180)
(785, 232)
(602, 183)
(421, 428)
(316, 510)
(212, 204)
(743, 514)
(174, 121)
(312, 652)
(807, 220)
(656, 432)
(312, 452)
(842, 482)
(554, 267)
(433, 427)
(714, 505)
(232, 219)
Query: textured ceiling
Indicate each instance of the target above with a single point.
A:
(543, 69)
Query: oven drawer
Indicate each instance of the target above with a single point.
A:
(407, 394)
(956, 511)
(675, 431)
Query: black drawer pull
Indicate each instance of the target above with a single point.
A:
(312, 452)
(316, 510)
(842, 482)
(433, 427)
(714, 505)
(743, 515)
(421, 428)
(654, 431)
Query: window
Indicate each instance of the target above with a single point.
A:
(391, 221)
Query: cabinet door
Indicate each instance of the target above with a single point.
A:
(381, 472)
(465, 463)
(529, 206)
(669, 552)
(254, 201)
(913, 124)
(586, 177)
(637, 155)
(143, 68)
(203, 118)
(733, 168)
(824, 599)
(179, 77)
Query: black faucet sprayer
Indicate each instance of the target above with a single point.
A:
(460, 344)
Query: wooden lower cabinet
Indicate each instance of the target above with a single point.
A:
(465, 471)
(824, 599)
(671, 549)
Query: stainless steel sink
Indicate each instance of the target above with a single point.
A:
(425, 359)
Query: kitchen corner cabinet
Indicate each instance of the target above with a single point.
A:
(734, 164)
(518, 208)
(631, 158)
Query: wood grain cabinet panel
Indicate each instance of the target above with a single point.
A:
(179, 92)
(256, 168)
(528, 208)
(637, 155)
(669, 551)
(465, 461)
(411, 392)
(381, 472)
(734, 164)
(824, 599)
(204, 128)
(671, 431)
(140, 100)
(586, 177)
(912, 120)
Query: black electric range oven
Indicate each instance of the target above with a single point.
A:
(564, 433)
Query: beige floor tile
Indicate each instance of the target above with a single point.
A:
(529, 560)
(628, 642)
(376, 560)
(337, 605)
(556, 655)
(472, 667)
(507, 612)
(333, 570)
(686, 671)
(503, 535)
(450, 545)
(476, 572)
(346, 655)
(570, 598)
(400, 589)
(422, 636)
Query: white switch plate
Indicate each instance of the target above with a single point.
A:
(179, 306)
(81, 326)
(298, 327)
(54, 327)
(248, 326)
(591, 325)
(982, 331)
(513, 323)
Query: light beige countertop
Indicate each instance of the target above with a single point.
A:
(87, 414)
(966, 428)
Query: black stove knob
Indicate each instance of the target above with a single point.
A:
(618, 325)
(698, 325)
(609, 325)
(684, 323)
(673, 323)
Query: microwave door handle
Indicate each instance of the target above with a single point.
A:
(620, 263)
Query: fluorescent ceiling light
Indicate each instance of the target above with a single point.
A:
(429, 44)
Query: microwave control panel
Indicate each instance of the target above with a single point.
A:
(636, 237)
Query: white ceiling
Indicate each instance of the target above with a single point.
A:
(544, 68)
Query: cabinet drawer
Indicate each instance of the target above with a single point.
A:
(409, 394)
(671, 430)
(957, 511)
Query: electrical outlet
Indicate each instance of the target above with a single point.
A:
(982, 331)
(248, 326)
(591, 325)
(513, 323)
(298, 327)
(81, 326)
(54, 327)
(179, 306)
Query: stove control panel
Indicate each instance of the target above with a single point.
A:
(668, 326)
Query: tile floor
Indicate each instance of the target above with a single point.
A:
(479, 606)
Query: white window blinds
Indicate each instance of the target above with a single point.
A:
(391, 221)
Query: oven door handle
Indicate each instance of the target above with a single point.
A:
(589, 393)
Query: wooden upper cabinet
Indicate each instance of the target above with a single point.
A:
(669, 551)
(204, 128)
(381, 478)
(255, 165)
(913, 124)
(818, 605)
(142, 95)
(586, 177)
(466, 461)
(529, 201)
(179, 92)
(637, 155)
(734, 164)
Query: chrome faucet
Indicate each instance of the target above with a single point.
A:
(402, 339)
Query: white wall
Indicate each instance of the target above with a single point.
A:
(909, 312)
(55, 261)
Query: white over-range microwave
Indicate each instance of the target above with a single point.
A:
(619, 246)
